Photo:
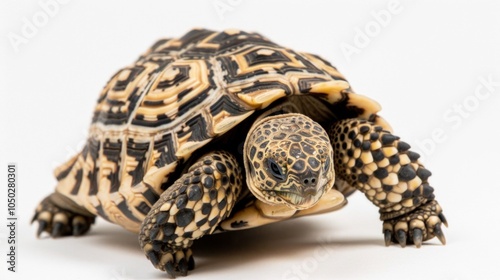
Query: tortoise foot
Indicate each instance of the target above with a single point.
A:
(420, 225)
(58, 222)
(174, 263)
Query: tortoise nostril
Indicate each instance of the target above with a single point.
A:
(309, 181)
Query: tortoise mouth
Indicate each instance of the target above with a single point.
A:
(300, 200)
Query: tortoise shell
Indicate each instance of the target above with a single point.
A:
(177, 97)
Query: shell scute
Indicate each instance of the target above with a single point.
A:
(178, 96)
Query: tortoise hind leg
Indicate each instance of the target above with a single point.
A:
(59, 216)
(192, 207)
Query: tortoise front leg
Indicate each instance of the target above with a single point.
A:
(192, 207)
(381, 166)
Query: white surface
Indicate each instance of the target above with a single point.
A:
(423, 63)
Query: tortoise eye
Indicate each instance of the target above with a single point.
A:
(275, 170)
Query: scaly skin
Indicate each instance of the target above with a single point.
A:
(192, 207)
(288, 160)
(181, 94)
(382, 167)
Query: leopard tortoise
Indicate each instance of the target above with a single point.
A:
(223, 131)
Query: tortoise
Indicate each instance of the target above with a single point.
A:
(223, 131)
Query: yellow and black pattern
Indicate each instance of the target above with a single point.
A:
(135, 169)
(192, 207)
(289, 160)
(384, 168)
(176, 98)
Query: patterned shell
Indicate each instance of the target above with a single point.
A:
(177, 97)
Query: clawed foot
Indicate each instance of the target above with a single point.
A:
(59, 222)
(417, 226)
(174, 264)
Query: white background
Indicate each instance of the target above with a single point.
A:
(422, 64)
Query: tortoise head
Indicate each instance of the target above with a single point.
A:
(288, 160)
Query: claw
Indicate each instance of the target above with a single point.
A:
(42, 225)
(153, 257)
(34, 218)
(417, 237)
(183, 267)
(439, 233)
(57, 229)
(80, 225)
(78, 229)
(169, 267)
(443, 219)
(401, 237)
(191, 263)
(387, 237)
